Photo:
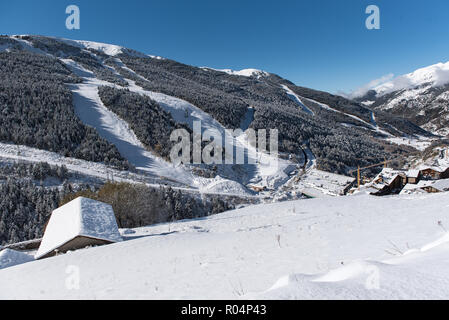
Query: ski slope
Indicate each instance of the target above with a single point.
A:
(373, 125)
(343, 247)
(259, 167)
(293, 96)
(417, 142)
(91, 110)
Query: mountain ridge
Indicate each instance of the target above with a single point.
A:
(227, 96)
(421, 96)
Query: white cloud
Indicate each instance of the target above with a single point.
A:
(442, 76)
(369, 86)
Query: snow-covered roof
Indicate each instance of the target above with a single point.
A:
(387, 175)
(411, 189)
(364, 191)
(412, 173)
(438, 168)
(442, 185)
(81, 217)
(317, 183)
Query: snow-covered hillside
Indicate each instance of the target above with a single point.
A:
(348, 247)
(92, 111)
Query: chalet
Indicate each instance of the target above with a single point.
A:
(317, 184)
(80, 223)
(427, 186)
(388, 181)
(445, 174)
(437, 186)
(430, 173)
(392, 186)
(412, 176)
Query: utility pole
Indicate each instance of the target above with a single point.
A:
(358, 177)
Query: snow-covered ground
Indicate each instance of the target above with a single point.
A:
(92, 172)
(419, 143)
(94, 169)
(418, 274)
(340, 247)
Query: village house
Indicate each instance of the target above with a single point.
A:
(388, 181)
(430, 174)
(412, 176)
(445, 174)
(78, 224)
(427, 186)
(434, 172)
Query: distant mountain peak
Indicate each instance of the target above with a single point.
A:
(431, 76)
(420, 96)
(250, 72)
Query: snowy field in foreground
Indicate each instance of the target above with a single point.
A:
(340, 248)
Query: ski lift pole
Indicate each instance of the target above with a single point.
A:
(358, 177)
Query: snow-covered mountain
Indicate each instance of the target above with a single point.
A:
(81, 118)
(421, 96)
(106, 112)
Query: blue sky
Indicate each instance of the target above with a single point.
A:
(322, 44)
